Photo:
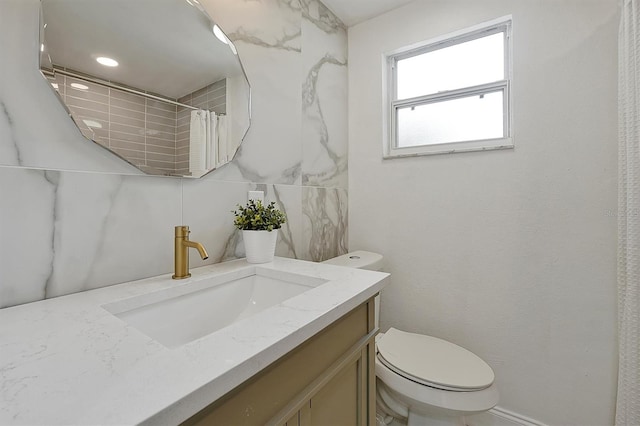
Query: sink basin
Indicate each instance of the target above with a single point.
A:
(201, 306)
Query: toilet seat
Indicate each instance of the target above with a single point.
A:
(433, 362)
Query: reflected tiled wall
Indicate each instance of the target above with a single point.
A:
(140, 129)
(74, 217)
(151, 134)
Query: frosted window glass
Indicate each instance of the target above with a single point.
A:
(471, 118)
(462, 65)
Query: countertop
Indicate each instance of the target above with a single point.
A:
(66, 360)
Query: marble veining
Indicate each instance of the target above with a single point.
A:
(285, 235)
(321, 16)
(7, 132)
(325, 223)
(285, 42)
(53, 178)
(312, 110)
(324, 98)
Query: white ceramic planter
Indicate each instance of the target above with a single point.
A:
(260, 246)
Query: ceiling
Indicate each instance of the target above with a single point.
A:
(163, 46)
(353, 12)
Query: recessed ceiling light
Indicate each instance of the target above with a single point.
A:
(42, 47)
(107, 62)
(91, 123)
(55, 85)
(79, 86)
(220, 35)
(233, 48)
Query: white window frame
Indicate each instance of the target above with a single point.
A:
(392, 105)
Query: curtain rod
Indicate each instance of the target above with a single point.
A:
(116, 86)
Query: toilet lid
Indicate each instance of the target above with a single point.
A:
(433, 362)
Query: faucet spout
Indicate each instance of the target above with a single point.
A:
(203, 251)
(181, 252)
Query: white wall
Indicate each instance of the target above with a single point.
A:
(511, 254)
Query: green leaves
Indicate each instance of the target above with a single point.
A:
(256, 217)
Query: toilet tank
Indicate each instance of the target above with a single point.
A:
(361, 259)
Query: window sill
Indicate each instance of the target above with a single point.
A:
(449, 148)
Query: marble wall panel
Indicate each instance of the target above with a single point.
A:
(324, 223)
(324, 97)
(267, 35)
(64, 232)
(74, 217)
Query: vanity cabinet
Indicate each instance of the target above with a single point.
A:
(327, 380)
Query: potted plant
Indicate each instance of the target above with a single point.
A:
(259, 226)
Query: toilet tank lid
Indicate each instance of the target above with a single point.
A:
(358, 259)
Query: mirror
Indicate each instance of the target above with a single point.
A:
(156, 82)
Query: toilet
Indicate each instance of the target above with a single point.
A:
(421, 379)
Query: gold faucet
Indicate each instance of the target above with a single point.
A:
(181, 254)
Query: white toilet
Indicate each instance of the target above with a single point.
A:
(425, 380)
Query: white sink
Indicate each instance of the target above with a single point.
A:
(201, 306)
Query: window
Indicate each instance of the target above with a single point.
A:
(451, 94)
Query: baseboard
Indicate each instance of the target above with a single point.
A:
(500, 417)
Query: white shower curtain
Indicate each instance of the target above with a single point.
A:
(628, 400)
(198, 139)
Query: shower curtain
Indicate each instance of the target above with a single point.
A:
(628, 400)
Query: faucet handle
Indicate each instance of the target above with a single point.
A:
(182, 231)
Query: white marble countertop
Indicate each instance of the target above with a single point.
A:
(67, 361)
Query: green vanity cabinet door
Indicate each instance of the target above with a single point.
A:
(327, 380)
(338, 402)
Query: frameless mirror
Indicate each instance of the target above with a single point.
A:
(156, 82)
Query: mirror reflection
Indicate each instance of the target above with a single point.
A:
(157, 82)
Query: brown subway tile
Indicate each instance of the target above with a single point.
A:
(129, 154)
(169, 165)
(128, 121)
(155, 127)
(127, 137)
(200, 101)
(171, 122)
(122, 112)
(183, 130)
(184, 100)
(157, 156)
(123, 128)
(183, 136)
(129, 97)
(166, 150)
(83, 103)
(132, 106)
(101, 117)
(161, 142)
(200, 92)
(165, 106)
(134, 146)
(186, 114)
(161, 113)
(88, 95)
(157, 134)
